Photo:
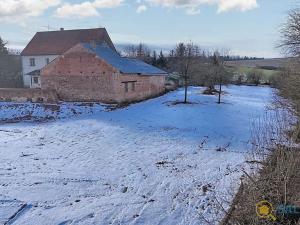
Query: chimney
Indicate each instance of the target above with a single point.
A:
(62, 29)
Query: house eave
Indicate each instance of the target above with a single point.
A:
(44, 54)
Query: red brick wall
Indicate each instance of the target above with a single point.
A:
(26, 94)
(145, 87)
(80, 76)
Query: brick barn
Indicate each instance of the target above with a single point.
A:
(96, 72)
(47, 46)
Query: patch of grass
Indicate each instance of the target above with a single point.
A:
(267, 74)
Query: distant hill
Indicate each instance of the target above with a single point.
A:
(271, 64)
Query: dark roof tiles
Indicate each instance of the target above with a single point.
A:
(58, 42)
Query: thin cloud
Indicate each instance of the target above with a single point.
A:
(192, 7)
(227, 5)
(101, 4)
(18, 10)
(85, 9)
(141, 8)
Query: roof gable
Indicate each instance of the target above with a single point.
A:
(124, 65)
(58, 42)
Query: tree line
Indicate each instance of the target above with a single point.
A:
(194, 65)
(10, 68)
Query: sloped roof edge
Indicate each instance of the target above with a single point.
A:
(124, 65)
(58, 42)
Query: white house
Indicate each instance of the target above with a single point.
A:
(31, 68)
(47, 46)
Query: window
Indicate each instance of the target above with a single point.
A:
(47, 61)
(32, 61)
(35, 80)
(126, 87)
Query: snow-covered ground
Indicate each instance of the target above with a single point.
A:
(150, 163)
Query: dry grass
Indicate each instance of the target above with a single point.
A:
(278, 182)
(276, 160)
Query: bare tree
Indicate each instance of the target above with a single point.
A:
(289, 81)
(130, 51)
(290, 34)
(161, 62)
(254, 77)
(3, 48)
(222, 76)
(154, 58)
(140, 51)
(143, 52)
(218, 72)
(215, 73)
(183, 58)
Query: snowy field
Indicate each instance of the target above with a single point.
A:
(150, 163)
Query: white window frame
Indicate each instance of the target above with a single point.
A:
(32, 62)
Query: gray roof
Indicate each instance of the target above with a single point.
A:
(34, 73)
(124, 65)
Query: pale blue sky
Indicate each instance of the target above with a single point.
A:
(246, 27)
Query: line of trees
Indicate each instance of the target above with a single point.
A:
(143, 52)
(10, 68)
(195, 65)
(198, 68)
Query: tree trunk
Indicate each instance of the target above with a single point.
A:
(220, 93)
(185, 89)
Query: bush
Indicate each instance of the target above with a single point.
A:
(274, 80)
(255, 77)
